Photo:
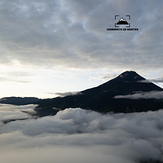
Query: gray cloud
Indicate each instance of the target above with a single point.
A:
(109, 76)
(94, 137)
(11, 112)
(73, 34)
(67, 94)
(159, 80)
(143, 95)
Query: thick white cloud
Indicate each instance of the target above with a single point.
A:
(90, 136)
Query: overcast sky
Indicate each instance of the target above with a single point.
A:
(49, 46)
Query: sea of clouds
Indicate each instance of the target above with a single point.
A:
(77, 135)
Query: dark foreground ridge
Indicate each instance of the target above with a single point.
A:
(19, 100)
(102, 98)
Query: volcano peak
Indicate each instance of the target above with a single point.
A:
(130, 76)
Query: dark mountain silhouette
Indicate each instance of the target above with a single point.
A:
(101, 98)
(19, 100)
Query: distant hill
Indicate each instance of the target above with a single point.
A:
(19, 100)
(102, 98)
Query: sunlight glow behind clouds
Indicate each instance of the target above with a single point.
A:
(72, 34)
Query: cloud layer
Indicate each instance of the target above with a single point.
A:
(11, 112)
(76, 134)
(143, 95)
(73, 33)
(67, 94)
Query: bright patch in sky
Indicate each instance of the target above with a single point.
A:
(63, 46)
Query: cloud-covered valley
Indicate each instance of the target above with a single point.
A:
(77, 135)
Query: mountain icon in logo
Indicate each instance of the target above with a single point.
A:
(122, 22)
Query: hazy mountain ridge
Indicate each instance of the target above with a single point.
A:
(102, 98)
(118, 95)
(19, 100)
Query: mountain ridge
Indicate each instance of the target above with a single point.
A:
(19, 100)
(101, 98)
